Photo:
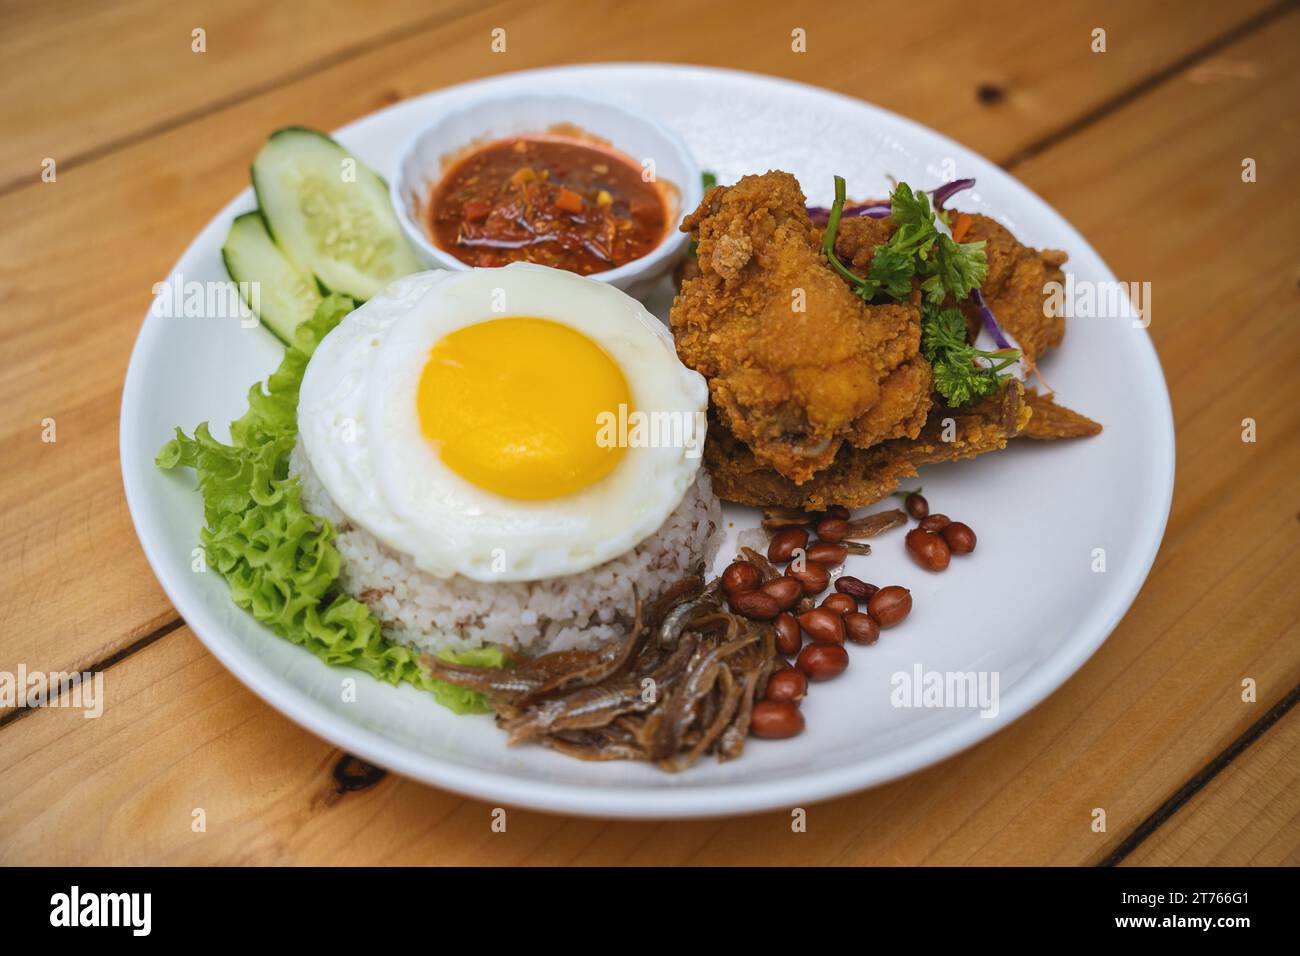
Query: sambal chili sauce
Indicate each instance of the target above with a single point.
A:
(551, 201)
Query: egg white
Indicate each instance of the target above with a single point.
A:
(359, 424)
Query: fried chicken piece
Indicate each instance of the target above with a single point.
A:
(1015, 286)
(1051, 421)
(796, 363)
(860, 477)
(855, 244)
(856, 241)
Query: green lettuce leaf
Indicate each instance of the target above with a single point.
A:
(280, 561)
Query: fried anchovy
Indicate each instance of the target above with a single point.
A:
(765, 567)
(596, 706)
(585, 708)
(540, 675)
(680, 709)
(714, 724)
(868, 526)
(594, 750)
(757, 669)
(674, 621)
(680, 685)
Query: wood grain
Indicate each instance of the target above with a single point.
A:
(82, 78)
(1247, 815)
(1151, 177)
(148, 79)
(105, 224)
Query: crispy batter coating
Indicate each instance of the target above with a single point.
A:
(856, 241)
(1014, 288)
(797, 364)
(1051, 421)
(860, 477)
(855, 245)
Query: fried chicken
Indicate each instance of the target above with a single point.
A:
(1051, 421)
(859, 477)
(856, 241)
(833, 405)
(797, 364)
(1015, 286)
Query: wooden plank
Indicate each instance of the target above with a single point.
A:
(1248, 815)
(81, 77)
(118, 223)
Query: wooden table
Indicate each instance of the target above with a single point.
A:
(1140, 146)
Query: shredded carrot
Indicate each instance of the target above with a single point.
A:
(964, 222)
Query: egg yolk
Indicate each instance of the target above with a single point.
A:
(512, 406)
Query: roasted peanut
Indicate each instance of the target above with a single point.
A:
(855, 588)
(832, 529)
(934, 522)
(823, 624)
(787, 591)
(916, 506)
(823, 660)
(890, 605)
(927, 549)
(861, 628)
(814, 577)
(789, 637)
(824, 552)
(840, 603)
(775, 719)
(960, 537)
(754, 605)
(741, 576)
(785, 543)
(789, 683)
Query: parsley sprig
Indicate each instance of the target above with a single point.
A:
(957, 375)
(918, 251)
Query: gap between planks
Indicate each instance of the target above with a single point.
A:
(1180, 797)
(1198, 782)
(103, 664)
(1146, 85)
(345, 55)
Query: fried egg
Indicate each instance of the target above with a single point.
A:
(493, 423)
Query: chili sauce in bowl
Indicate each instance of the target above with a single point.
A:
(555, 179)
(549, 200)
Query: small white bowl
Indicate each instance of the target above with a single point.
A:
(637, 135)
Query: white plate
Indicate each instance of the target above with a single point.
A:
(1027, 605)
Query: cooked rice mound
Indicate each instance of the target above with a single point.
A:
(579, 610)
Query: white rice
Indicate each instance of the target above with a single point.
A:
(430, 613)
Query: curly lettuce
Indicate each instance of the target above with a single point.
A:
(280, 561)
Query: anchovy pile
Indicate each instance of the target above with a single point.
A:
(681, 685)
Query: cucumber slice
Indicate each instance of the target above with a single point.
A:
(285, 296)
(330, 214)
